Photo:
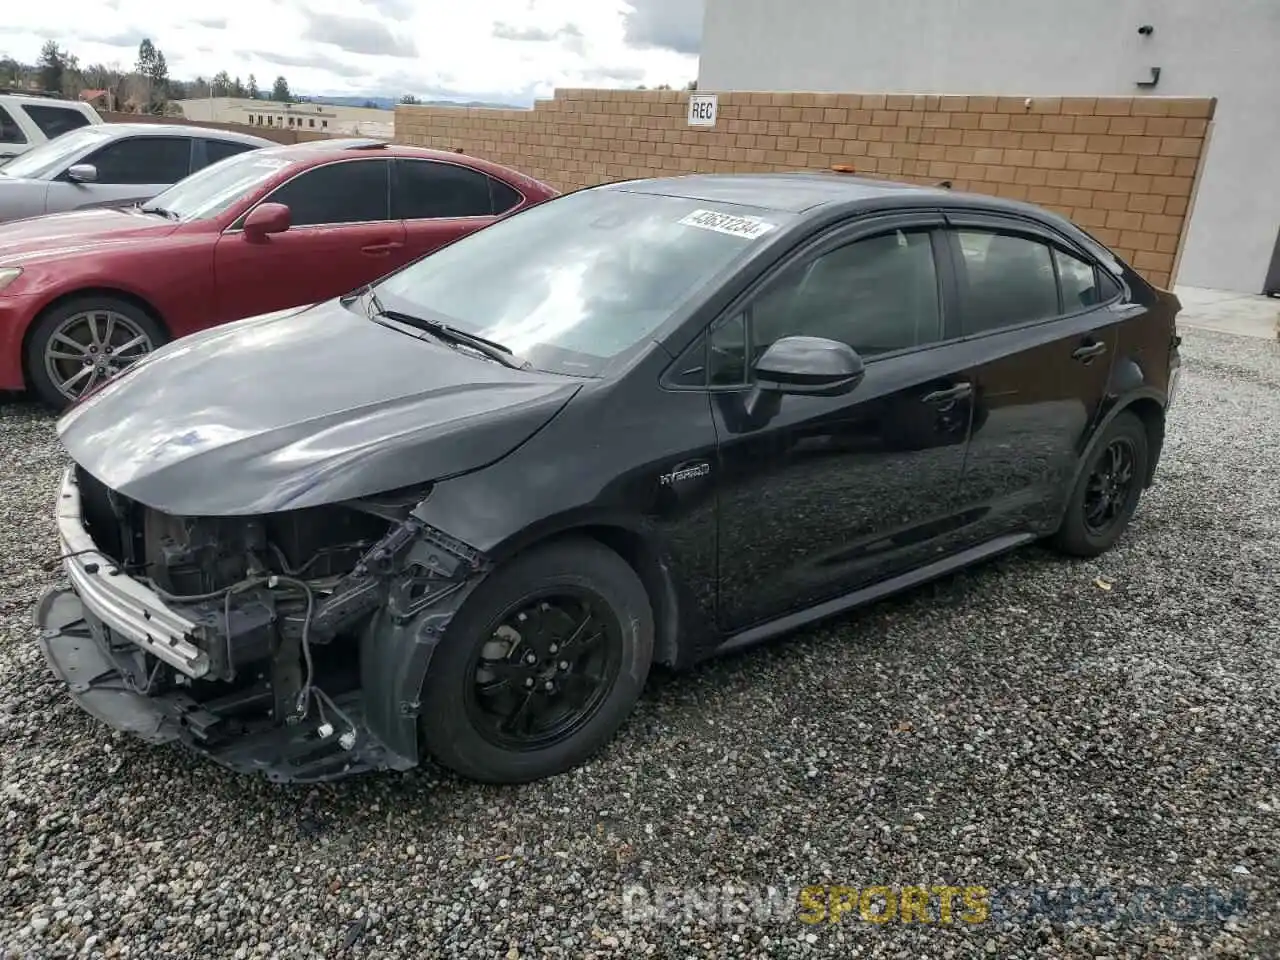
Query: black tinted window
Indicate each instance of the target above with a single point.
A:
(353, 191)
(877, 295)
(143, 160)
(1007, 280)
(53, 121)
(727, 352)
(10, 132)
(426, 189)
(1108, 286)
(215, 150)
(504, 197)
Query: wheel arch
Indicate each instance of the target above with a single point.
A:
(65, 297)
(1149, 407)
(641, 551)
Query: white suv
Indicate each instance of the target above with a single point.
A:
(28, 120)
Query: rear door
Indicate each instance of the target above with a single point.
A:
(209, 151)
(439, 202)
(1041, 323)
(130, 170)
(341, 237)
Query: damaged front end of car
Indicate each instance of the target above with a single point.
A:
(290, 644)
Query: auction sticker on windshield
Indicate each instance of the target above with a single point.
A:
(749, 228)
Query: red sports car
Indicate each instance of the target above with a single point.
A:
(83, 294)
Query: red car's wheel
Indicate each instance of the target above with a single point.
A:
(78, 344)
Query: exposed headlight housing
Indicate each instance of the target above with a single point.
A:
(8, 275)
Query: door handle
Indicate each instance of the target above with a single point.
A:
(379, 248)
(959, 392)
(1089, 351)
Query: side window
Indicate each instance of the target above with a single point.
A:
(53, 121)
(143, 160)
(350, 191)
(1108, 287)
(1078, 281)
(504, 196)
(878, 295)
(1008, 280)
(426, 189)
(10, 132)
(215, 150)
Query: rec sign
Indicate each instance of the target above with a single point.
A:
(702, 110)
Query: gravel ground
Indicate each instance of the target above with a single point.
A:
(1104, 725)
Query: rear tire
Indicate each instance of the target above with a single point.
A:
(509, 665)
(1107, 491)
(81, 342)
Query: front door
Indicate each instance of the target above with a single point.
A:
(1042, 325)
(821, 495)
(131, 170)
(341, 237)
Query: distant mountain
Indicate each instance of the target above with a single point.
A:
(389, 103)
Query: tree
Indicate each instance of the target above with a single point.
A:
(237, 88)
(693, 85)
(369, 105)
(409, 98)
(146, 57)
(253, 90)
(220, 86)
(280, 90)
(52, 65)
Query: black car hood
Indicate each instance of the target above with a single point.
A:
(301, 408)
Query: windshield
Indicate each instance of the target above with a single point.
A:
(210, 192)
(574, 282)
(52, 155)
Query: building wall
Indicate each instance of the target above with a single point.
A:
(1121, 167)
(1228, 51)
(278, 134)
(318, 118)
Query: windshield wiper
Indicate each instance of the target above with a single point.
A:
(167, 214)
(442, 331)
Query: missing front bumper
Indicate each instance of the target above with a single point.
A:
(101, 678)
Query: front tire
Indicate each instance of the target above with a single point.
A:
(540, 667)
(1107, 491)
(80, 343)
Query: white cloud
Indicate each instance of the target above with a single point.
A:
(512, 50)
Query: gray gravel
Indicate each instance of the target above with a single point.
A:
(1018, 726)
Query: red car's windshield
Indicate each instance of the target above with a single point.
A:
(215, 189)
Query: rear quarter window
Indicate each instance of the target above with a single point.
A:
(55, 121)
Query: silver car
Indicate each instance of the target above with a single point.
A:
(111, 165)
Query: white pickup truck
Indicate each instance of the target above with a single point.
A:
(29, 119)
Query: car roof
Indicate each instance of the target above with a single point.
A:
(807, 191)
(114, 130)
(315, 152)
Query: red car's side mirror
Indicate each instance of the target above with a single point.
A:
(266, 218)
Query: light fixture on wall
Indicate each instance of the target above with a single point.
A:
(1146, 30)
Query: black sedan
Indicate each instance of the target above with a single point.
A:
(460, 513)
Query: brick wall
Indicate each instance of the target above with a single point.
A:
(1122, 167)
(276, 134)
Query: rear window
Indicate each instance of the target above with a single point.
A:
(54, 121)
(215, 150)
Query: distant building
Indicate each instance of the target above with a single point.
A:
(310, 117)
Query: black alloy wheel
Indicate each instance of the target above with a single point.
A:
(545, 671)
(540, 667)
(1108, 489)
(1110, 485)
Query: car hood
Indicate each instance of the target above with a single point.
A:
(58, 235)
(301, 408)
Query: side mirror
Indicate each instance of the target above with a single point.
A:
(813, 366)
(82, 173)
(266, 218)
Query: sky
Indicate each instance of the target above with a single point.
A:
(510, 51)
